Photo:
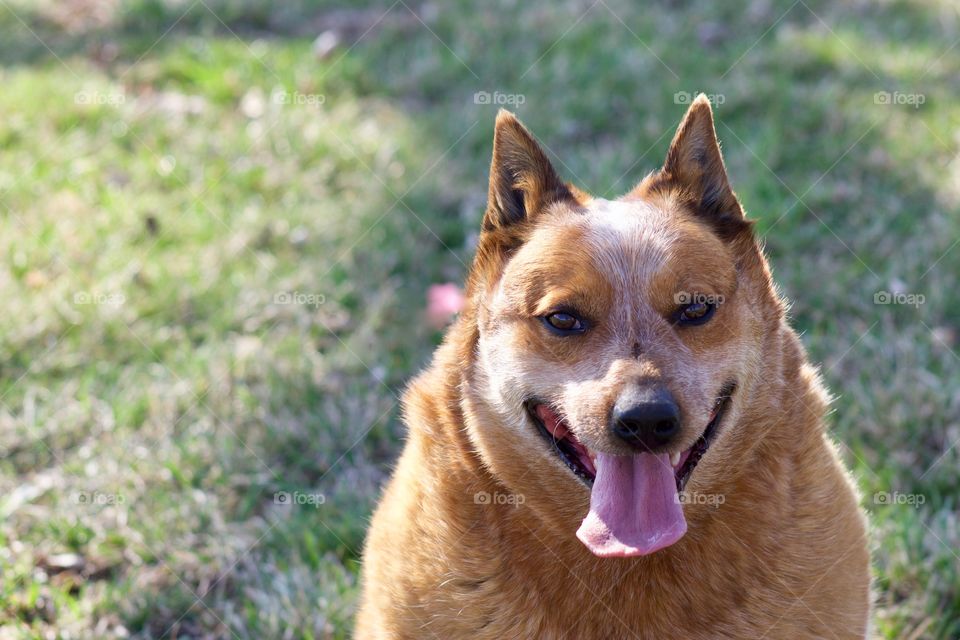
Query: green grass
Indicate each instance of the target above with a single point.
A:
(162, 201)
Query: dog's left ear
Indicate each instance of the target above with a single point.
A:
(694, 169)
(522, 180)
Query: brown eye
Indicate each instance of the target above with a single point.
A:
(696, 313)
(564, 323)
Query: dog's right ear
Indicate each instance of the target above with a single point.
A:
(694, 168)
(522, 180)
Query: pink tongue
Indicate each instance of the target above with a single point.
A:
(634, 507)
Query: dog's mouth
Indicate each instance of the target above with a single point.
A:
(571, 451)
(582, 461)
(688, 460)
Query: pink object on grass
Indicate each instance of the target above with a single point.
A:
(444, 301)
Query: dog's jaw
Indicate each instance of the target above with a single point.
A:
(581, 460)
(635, 503)
(573, 453)
(686, 461)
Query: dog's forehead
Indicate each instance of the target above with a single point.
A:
(625, 216)
(621, 251)
(629, 239)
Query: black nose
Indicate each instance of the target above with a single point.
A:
(646, 417)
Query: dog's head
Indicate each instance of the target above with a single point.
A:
(615, 339)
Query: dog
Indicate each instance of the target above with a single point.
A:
(620, 435)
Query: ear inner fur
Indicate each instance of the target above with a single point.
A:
(694, 173)
(522, 179)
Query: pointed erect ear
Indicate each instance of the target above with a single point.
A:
(522, 180)
(694, 168)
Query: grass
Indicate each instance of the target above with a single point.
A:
(214, 251)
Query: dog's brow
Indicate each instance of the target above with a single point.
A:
(631, 240)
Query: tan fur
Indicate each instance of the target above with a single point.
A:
(784, 555)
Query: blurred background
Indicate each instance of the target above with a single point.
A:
(220, 220)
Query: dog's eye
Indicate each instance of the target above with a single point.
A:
(564, 323)
(696, 313)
